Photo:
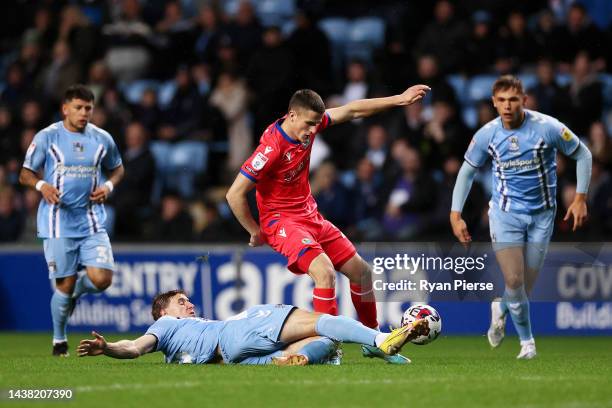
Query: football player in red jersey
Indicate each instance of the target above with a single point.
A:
(288, 218)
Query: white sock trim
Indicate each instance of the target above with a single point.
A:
(323, 298)
(361, 293)
(57, 341)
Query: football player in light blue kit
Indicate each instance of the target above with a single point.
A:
(263, 334)
(522, 145)
(65, 162)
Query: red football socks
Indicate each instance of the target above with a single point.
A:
(324, 301)
(365, 304)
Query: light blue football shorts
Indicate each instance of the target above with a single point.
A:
(64, 255)
(252, 337)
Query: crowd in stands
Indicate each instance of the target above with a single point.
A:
(186, 88)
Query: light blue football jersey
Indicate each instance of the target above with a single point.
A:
(524, 160)
(72, 163)
(188, 339)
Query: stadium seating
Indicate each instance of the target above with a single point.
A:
(133, 90)
(364, 36)
(479, 88)
(459, 85)
(178, 165)
(274, 12)
(606, 81)
(336, 29)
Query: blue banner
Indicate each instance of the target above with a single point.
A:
(224, 280)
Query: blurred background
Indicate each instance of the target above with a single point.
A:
(186, 88)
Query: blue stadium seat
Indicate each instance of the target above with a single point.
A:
(287, 28)
(458, 83)
(230, 7)
(364, 36)
(165, 93)
(275, 12)
(529, 80)
(336, 29)
(563, 79)
(470, 116)
(133, 91)
(161, 152)
(479, 87)
(606, 81)
(189, 155)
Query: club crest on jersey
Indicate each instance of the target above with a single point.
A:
(267, 150)
(259, 161)
(282, 232)
(566, 135)
(514, 145)
(52, 267)
(77, 147)
(306, 241)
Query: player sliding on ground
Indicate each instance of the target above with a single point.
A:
(264, 334)
(523, 145)
(288, 217)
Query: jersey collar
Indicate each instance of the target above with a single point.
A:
(282, 132)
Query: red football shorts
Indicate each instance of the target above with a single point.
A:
(302, 240)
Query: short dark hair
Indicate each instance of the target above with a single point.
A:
(162, 300)
(307, 99)
(78, 91)
(508, 82)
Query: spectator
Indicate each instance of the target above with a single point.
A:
(246, 32)
(411, 197)
(63, 71)
(333, 199)
(128, 55)
(377, 149)
(580, 34)
(31, 199)
(600, 145)
(16, 89)
(356, 82)
(428, 73)
(550, 96)
(585, 95)
(367, 203)
(207, 34)
(11, 222)
(447, 131)
(600, 202)
(76, 30)
(272, 83)
(313, 72)
(182, 117)
(231, 97)
(99, 79)
(147, 111)
(174, 36)
(131, 198)
(517, 42)
(9, 145)
(174, 224)
(444, 38)
(481, 44)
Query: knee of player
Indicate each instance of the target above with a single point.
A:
(514, 282)
(103, 281)
(323, 275)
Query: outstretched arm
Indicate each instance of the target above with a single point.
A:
(237, 200)
(367, 107)
(578, 208)
(465, 178)
(121, 349)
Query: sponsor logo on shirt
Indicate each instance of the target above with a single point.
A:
(566, 135)
(259, 161)
(514, 145)
(518, 163)
(77, 147)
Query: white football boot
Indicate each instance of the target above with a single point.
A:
(497, 329)
(528, 350)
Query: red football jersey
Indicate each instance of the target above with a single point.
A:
(280, 167)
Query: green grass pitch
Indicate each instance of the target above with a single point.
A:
(451, 372)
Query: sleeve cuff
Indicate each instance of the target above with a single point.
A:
(247, 175)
